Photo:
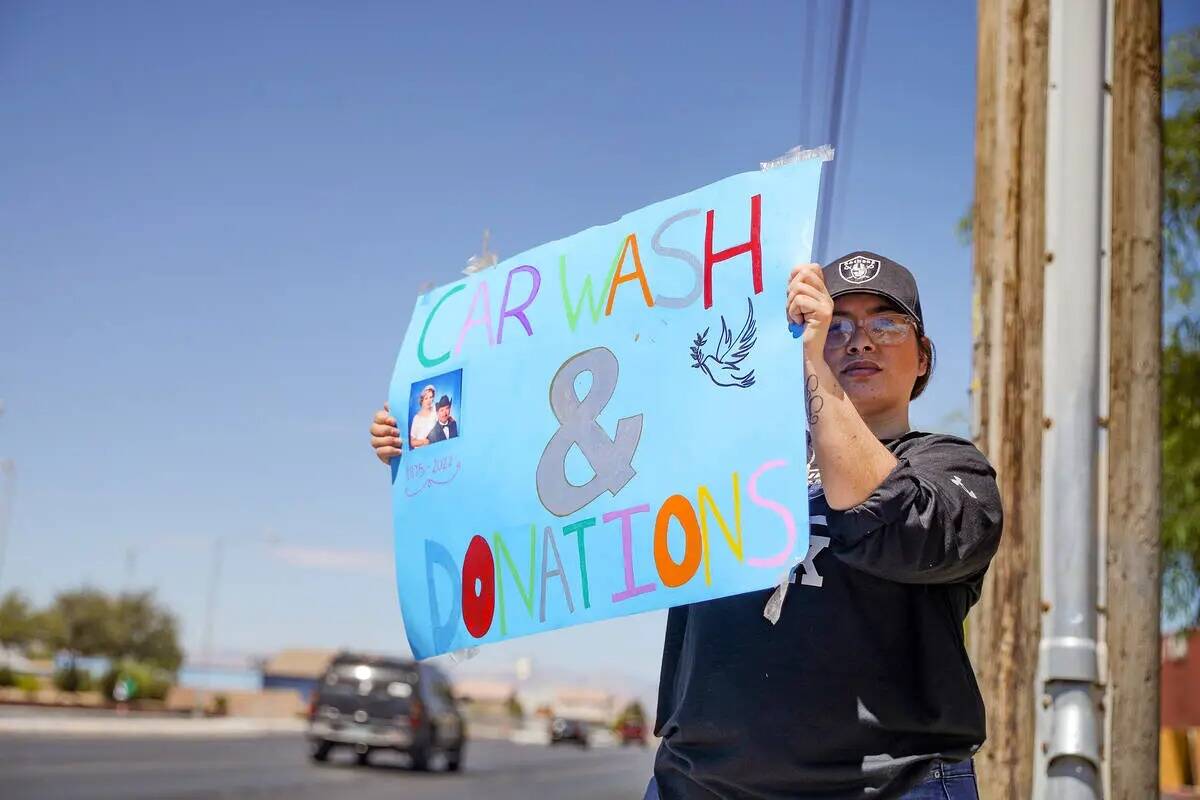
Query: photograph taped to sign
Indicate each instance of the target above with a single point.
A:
(433, 410)
(634, 399)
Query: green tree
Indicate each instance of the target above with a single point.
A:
(16, 620)
(1181, 472)
(1181, 163)
(145, 632)
(129, 627)
(1181, 346)
(79, 622)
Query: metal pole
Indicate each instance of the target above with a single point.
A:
(8, 473)
(214, 579)
(210, 610)
(130, 568)
(1069, 717)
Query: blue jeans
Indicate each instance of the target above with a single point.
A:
(945, 782)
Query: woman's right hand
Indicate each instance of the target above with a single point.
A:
(385, 436)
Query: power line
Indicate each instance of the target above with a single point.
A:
(834, 129)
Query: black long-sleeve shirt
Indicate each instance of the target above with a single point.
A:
(864, 679)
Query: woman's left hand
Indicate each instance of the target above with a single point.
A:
(385, 436)
(809, 304)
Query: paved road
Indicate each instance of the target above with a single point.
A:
(276, 766)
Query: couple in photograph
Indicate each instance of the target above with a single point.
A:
(432, 423)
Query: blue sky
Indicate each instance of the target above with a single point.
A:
(216, 217)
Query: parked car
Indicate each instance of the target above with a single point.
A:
(568, 730)
(371, 703)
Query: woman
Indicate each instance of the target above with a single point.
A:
(852, 679)
(424, 420)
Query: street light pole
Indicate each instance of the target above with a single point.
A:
(8, 473)
(210, 607)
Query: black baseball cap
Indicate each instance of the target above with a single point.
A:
(871, 273)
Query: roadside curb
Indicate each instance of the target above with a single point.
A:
(116, 726)
(232, 727)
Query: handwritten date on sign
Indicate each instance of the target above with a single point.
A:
(437, 472)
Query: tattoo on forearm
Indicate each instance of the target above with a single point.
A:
(811, 401)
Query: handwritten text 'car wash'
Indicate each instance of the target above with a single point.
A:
(626, 268)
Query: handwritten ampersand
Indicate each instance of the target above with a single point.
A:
(610, 459)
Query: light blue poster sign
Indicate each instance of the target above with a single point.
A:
(607, 424)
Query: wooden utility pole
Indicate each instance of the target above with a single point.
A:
(1009, 261)
(1009, 248)
(1134, 444)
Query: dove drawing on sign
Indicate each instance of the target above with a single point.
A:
(723, 366)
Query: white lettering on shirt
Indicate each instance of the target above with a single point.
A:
(815, 545)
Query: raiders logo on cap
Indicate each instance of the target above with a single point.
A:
(859, 269)
(864, 271)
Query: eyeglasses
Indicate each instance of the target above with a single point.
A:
(884, 329)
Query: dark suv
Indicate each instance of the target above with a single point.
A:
(568, 730)
(374, 703)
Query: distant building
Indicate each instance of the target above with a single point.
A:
(589, 705)
(226, 672)
(482, 690)
(298, 670)
(218, 678)
(1180, 692)
(487, 700)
